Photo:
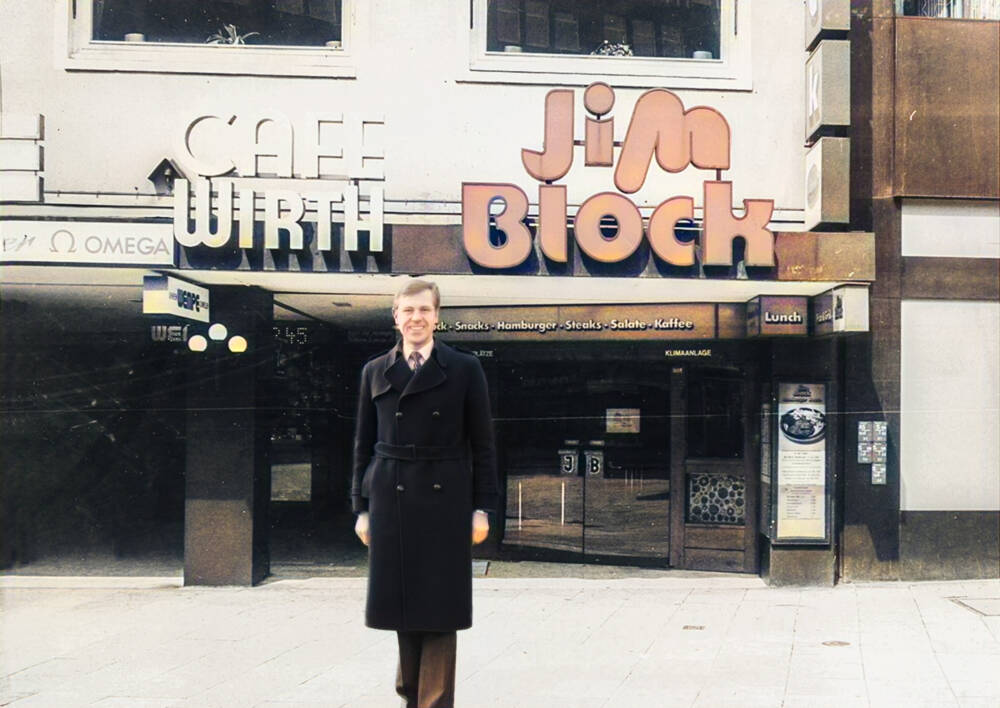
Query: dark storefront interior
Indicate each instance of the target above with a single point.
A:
(589, 436)
(608, 451)
(588, 472)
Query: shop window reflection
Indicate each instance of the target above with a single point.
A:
(302, 401)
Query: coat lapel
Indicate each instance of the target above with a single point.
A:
(428, 376)
(398, 376)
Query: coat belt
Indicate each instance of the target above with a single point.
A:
(419, 452)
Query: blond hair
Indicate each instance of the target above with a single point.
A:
(414, 287)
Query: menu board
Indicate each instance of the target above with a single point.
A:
(801, 513)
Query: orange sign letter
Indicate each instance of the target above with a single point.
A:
(661, 231)
(721, 227)
(659, 124)
(587, 227)
(557, 151)
(476, 200)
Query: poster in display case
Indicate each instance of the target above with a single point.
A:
(801, 505)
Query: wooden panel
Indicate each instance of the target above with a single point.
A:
(728, 538)
(732, 320)
(428, 249)
(951, 278)
(947, 109)
(704, 559)
(824, 255)
(715, 464)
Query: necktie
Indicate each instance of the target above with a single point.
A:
(416, 360)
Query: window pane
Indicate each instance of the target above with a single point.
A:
(715, 414)
(642, 28)
(308, 23)
(963, 9)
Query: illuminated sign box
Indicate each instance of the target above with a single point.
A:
(828, 86)
(778, 316)
(828, 182)
(824, 16)
(843, 309)
(164, 295)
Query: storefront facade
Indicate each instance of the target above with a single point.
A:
(655, 256)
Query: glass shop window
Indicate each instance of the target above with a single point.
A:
(955, 9)
(300, 23)
(715, 414)
(620, 28)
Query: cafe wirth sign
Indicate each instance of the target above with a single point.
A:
(660, 127)
(335, 160)
(300, 172)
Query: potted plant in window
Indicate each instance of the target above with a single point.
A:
(228, 34)
(612, 49)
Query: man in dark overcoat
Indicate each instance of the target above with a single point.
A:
(424, 481)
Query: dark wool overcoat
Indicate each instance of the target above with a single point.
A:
(424, 460)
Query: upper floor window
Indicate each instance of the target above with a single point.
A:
(290, 23)
(961, 9)
(641, 43)
(630, 28)
(275, 37)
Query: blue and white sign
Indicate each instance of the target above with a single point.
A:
(164, 295)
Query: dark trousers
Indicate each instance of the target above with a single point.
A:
(426, 674)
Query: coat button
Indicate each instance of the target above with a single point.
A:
(437, 487)
(400, 488)
(399, 414)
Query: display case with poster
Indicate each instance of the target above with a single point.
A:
(800, 487)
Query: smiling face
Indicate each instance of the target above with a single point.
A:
(416, 317)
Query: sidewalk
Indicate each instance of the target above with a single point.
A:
(673, 639)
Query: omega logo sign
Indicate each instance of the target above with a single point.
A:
(63, 241)
(660, 126)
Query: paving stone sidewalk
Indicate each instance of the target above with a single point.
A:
(672, 639)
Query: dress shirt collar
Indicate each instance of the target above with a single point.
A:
(403, 350)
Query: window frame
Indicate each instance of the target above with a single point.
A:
(733, 70)
(77, 51)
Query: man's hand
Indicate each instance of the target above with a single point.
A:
(480, 527)
(361, 527)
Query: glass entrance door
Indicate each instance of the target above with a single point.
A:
(538, 443)
(627, 495)
(587, 459)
